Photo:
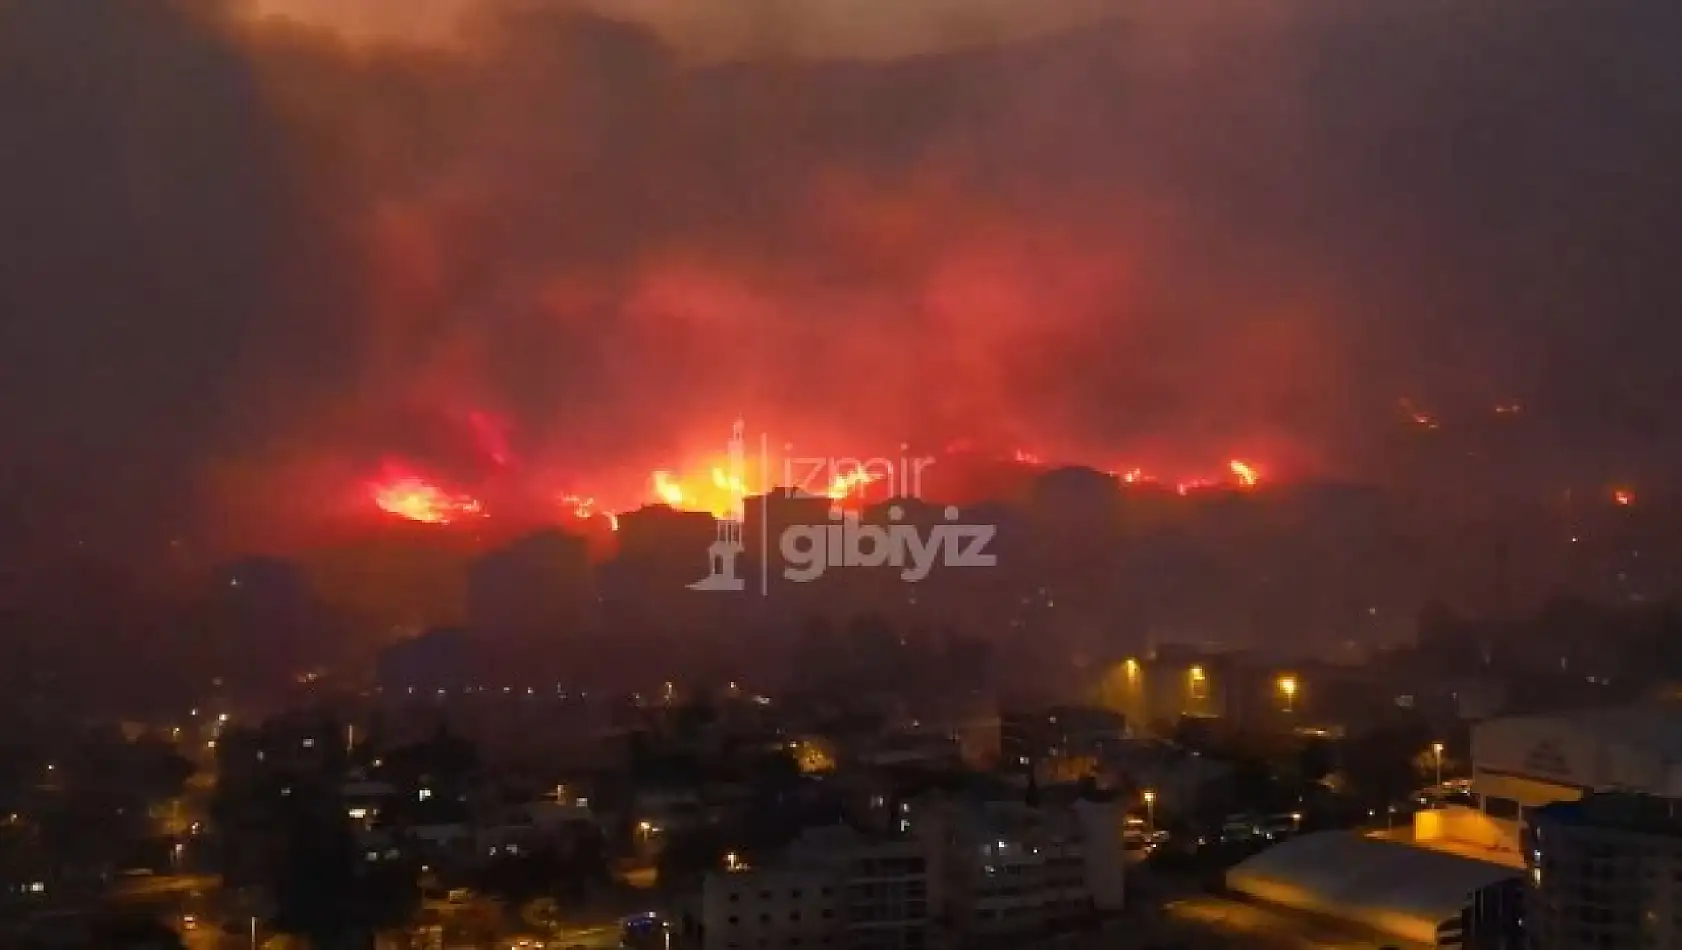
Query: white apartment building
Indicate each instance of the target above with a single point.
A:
(835, 888)
(1008, 871)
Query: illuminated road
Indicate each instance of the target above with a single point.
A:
(163, 885)
(210, 938)
(594, 938)
(1253, 925)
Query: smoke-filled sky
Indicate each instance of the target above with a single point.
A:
(252, 248)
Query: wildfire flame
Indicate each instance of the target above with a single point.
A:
(586, 509)
(1240, 474)
(845, 484)
(417, 499)
(667, 490)
(713, 488)
(1623, 496)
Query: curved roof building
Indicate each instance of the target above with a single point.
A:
(1396, 889)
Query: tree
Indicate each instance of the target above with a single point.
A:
(324, 890)
(521, 877)
(542, 915)
(129, 933)
(689, 854)
(1380, 764)
(1316, 760)
(1254, 785)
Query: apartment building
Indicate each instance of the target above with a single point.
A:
(1605, 871)
(1010, 872)
(834, 888)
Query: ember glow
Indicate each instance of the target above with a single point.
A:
(1245, 473)
(1240, 474)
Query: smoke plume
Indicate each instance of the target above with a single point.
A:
(253, 248)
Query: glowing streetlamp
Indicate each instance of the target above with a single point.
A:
(1288, 689)
(1150, 811)
(1437, 752)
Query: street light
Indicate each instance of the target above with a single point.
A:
(1288, 687)
(1437, 751)
(1150, 811)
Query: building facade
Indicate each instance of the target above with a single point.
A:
(834, 888)
(1605, 871)
(1522, 763)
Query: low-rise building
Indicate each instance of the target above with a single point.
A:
(1399, 892)
(1521, 763)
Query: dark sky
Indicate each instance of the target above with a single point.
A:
(241, 264)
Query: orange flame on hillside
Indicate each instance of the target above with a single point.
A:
(717, 491)
(416, 499)
(712, 488)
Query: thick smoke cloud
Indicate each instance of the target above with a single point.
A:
(251, 249)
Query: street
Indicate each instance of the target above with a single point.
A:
(1254, 925)
(1188, 913)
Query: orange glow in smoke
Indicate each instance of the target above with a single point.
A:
(1246, 473)
(1623, 496)
(1422, 419)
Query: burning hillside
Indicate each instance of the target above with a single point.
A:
(532, 251)
(716, 484)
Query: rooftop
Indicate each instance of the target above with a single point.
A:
(1652, 727)
(1618, 811)
(1392, 887)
